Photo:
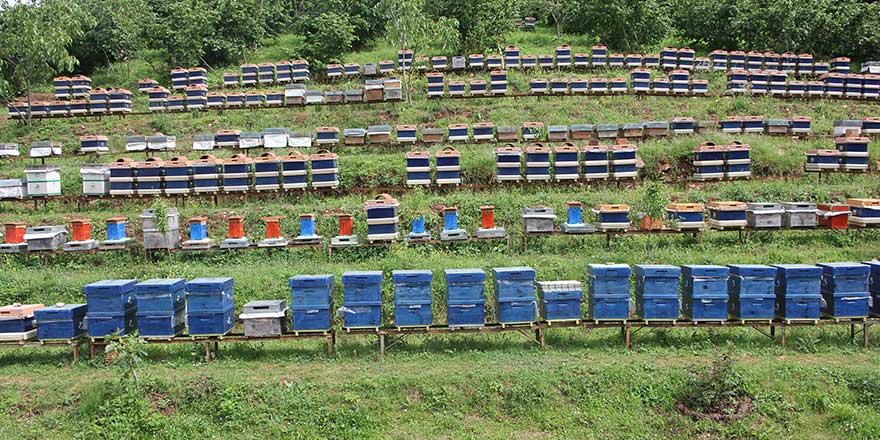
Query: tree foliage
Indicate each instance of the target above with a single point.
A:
(34, 38)
(115, 31)
(619, 24)
(328, 36)
(482, 24)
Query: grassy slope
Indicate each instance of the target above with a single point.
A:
(493, 386)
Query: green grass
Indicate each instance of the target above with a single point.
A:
(585, 385)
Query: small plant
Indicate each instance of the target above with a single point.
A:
(717, 393)
(652, 207)
(128, 352)
(160, 210)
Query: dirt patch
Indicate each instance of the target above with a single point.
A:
(740, 410)
(160, 404)
(447, 112)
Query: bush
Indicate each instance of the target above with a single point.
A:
(717, 391)
(328, 37)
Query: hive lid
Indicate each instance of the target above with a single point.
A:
(708, 147)
(418, 154)
(207, 159)
(151, 162)
(17, 310)
(727, 206)
(382, 200)
(116, 220)
(685, 207)
(295, 156)
(508, 149)
(262, 308)
(867, 203)
(238, 159)
(267, 157)
(406, 128)
(327, 130)
(123, 162)
(324, 155)
(448, 152)
(611, 208)
(537, 148)
(178, 161)
(738, 146)
(823, 153)
(354, 132)
(566, 148)
(198, 219)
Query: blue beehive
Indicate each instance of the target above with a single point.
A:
(651, 61)
(511, 57)
(594, 162)
(231, 79)
(704, 292)
(60, 321)
(412, 297)
(537, 163)
(435, 83)
(210, 308)
(508, 160)
(640, 79)
(633, 60)
(110, 296)
(864, 211)
(538, 86)
(249, 73)
(206, 174)
(669, 57)
(362, 298)
(752, 291)
(708, 161)
(566, 162)
(418, 168)
(162, 325)
(265, 73)
(754, 60)
(798, 291)
(237, 172)
(267, 170)
(515, 294)
(325, 174)
(718, 59)
(158, 296)
(874, 285)
(853, 152)
(657, 292)
(476, 61)
(623, 160)
(563, 56)
(311, 301)
(545, 61)
(382, 219)
(448, 166)
(312, 295)
(840, 65)
(845, 289)
(560, 300)
(609, 291)
(465, 297)
(598, 55)
(737, 160)
(581, 60)
(685, 215)
(737, 59)
(294, 171)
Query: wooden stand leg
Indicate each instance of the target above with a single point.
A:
(772, 331)
(852, 332)
(208, 357)
(330, 343)
(539, 336)
(782, 336)
(866, 336)
(91, 350)
(382, 344)
(628, 336)
(75, 351)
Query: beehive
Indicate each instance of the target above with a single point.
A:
(206, 174)
(465, 297)
(724, 215)
(537, 163)
(612, 217)
(685, 215)
(656, 292)
(608, 292)
(752, 292)
(325, 173)
(566, 162)
(704, 292)
(178, 176)
(418, 168)
(149, 176)
(508, 163)
(267, 172)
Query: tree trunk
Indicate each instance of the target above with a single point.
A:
(27, 86)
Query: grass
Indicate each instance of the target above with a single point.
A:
(585, 385)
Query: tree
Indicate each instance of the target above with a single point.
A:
(34, 37)
(482, 24)
(621, 24)
(116, 31)
(411, 27)
(328, 36)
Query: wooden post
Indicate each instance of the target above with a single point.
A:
(208, 358)
(782, 336)
(866, 336)
(75, 351)
(627, 330)
(539, 335)
(382, 344)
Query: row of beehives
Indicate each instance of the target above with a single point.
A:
(669, 58)
(776, 83)
(100, 101)
(850, 153)
(199, 98)
(678, 82)
(568, 162)
(382, 220)
(155, 308)
(700, 293)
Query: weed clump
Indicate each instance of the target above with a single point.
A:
(717, 393)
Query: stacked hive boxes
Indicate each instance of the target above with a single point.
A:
(237, 172)
(60, 321)
(798, 292)
(853, 152)
(704, 292)
(560, 300)
(874, 285)
(412, 298)
(148, 176)
(382, 219)
(177, 176)
(537, 163)
(465, 297)
(752, 292)
(362, 299)
(206, 174)
(210, 307)
(657, 292)
(267, 171)
(154, 238)
(864, 211)
(724, 215)
(311, 301)
(17, 322)
(95, 179)
(565, 162)
(515, 294)
(161, 309)
(294, 170)
(112, 307)
(448, 166)
(42, 181)
(418, 168)
(508, 162)
(845, 290)
(324, 170)
(608, 293)
(708, 161)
